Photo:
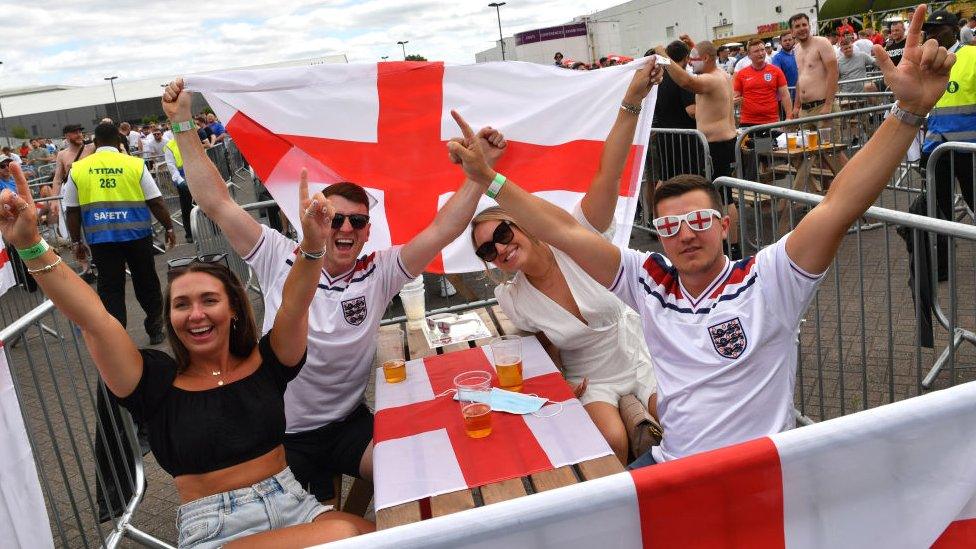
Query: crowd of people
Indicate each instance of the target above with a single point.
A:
(252, 427)
(609, 60)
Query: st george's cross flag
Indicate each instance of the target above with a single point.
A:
(385, 126)
(7, 279)
(896, 476)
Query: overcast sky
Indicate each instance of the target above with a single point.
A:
(79, 42)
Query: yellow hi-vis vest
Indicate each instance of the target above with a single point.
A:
(954, 116)
(175, 149)
(113, 206)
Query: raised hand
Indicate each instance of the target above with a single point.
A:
(492, 143)
(317, 213)
(920, 78)
(644, 79)
(18, 216)
(469, 151)
(176, 102)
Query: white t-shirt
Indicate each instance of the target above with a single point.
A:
(343, 323)
(134, 138)
(149, 188)
(609, 348)
(151, 147)
(863, 45)
(726, 361)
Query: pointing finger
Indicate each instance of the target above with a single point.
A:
(303, 188)
(465, 128)
(915, 29)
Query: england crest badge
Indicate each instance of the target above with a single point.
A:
(354, 310)
(728, 338)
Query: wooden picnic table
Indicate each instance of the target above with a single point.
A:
(812, 168)
(414, 345)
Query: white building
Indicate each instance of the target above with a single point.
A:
(634, 27)
(44, 110)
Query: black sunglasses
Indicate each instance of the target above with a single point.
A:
(358, 221)
(203, 258)
(503, 235)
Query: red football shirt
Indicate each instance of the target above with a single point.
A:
(760, 102)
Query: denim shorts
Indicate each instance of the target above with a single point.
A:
(276, 502)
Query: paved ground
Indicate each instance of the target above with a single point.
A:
(853, 356)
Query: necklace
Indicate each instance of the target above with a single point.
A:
(545, 275)
(217, 373)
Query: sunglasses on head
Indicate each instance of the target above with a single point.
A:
(203, 258)
(698, 220)
(503, 235)
(358, 221)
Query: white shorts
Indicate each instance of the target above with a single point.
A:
(641, 384)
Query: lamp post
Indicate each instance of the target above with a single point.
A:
(403, 44)
(118, 113)
(498, 12)
(705, 19)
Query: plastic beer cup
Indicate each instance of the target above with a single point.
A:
(507, 354)
(395, 368)
(473, 389)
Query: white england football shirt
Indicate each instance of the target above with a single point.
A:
(725, 360)
(343, 323)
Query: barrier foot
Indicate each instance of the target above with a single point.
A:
(958, 337)
(145, 539)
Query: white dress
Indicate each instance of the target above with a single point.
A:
(609, 348)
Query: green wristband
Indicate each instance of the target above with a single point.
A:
(496, 185)
(35, 251)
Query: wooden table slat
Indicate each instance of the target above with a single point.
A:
(417, 343)
(555, 478)
(398, 515)
(503, 490)
(600, 467)
(451, 502)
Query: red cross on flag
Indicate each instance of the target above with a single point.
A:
(421, 448)
(7, 279)
(385, 126)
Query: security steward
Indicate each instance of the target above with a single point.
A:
(174, 161)
(110, 195)
(954, 116)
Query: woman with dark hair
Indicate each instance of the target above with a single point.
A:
(599, 339)
(215, 412)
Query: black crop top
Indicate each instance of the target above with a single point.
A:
(193, 432)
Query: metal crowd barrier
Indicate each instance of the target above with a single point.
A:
(761, 156)
(58, 389)
(951, 154)
(208, 238)
(866, 339)
(671, 152)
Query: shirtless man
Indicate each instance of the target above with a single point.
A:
(714, 117)
(76, 150)
(816, 86)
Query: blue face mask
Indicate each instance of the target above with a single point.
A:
(508, 401)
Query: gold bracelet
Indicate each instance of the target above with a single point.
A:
(45, 269)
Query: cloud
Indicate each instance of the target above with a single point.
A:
(79, 42)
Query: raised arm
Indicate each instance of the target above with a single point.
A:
(289, 334)
(918, 82)
(115, 355)
(204, 181)
(600, 200)
(451, 220)
(544, 220)
(695, 83)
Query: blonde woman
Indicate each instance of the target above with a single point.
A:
(599, 340)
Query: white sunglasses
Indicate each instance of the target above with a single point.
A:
(698, 220)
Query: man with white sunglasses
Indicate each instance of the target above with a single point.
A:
(723, 334)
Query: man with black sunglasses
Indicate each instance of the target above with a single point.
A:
(329, 428)
(724, 335)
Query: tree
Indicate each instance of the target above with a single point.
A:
(152, 119)
(415, 57)
(19, 132)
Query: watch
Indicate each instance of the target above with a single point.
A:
(906, 117)
(185, 126)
